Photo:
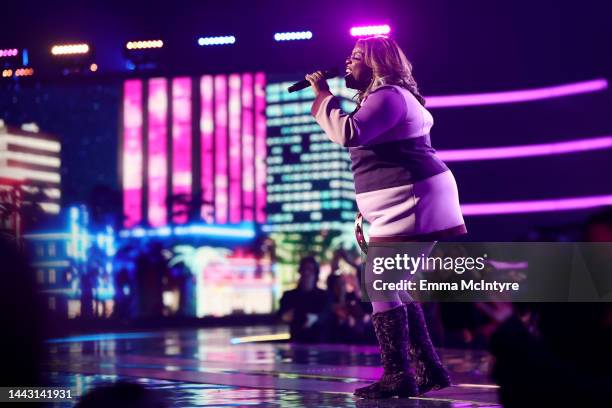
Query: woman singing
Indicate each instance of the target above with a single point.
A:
(402, 189)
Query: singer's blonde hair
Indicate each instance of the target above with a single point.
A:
(389, 66)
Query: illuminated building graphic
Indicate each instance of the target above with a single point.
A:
(198, 144)
(221, 173)
(181, 146)
(10, 206)
(132, 174)
(260, 148)
(207, 127)
(227, 280)
(309, 183)
(235, 173)
(311, 198)
(157, 174)
(32, 160)
(71, 261)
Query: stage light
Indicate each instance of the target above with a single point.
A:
(9, 52)
(139, 45)
(523, 95)
(70, 49)
(533, 206)
(7, 73)
(143, 55)
(259, 338)
(535, 150)
(221, 40)
(294, 35)
(24, 72)
(93, 67)
(370, 30)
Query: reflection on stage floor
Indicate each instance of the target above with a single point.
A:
(238, 367)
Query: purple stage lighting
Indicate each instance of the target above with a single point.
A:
(11, 52)
(370, 30)
(532, 206)
(526, 95)
(511, 152)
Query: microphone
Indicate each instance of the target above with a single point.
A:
(298, 86)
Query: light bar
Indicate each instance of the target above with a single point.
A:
(10, 52)
(519, 207)
(32, 142)
(370, 30)
(48, 236)
(260, 338)
(31, 158)
(511, 152)
(26, 174)
(293, 35)
(245, 231)
(70, 49)
(24, 72)
(139, 45)
(50, 208)
(526, 95)
(222, 40)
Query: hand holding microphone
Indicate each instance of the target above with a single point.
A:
(316, 80)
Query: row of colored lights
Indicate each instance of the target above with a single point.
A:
(7, 73)
(83, 48)
(138, 45)
(11, 52)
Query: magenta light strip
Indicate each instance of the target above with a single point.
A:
(181, 144)
(527, 95)
(518, 207)
(260, 147)
(207, 127)
(221, 165)
(132, 152)
(248, 149)
(370, 30)
(235, 185)
(157, 111)
(510, 152)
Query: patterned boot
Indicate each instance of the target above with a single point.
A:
(391, 328)
(429, 371)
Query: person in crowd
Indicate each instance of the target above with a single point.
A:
(306, 308)
(349, 321)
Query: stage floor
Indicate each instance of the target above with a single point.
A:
(211, 367)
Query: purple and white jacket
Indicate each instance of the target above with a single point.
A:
(402, 187)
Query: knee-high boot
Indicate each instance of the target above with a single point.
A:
(391, 328)
(429, 372)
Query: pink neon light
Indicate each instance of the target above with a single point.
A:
(235, 188)
(248, 150)
(207, 126)
(157, 111)
(370, 30)
(132, 152)
(181, 144)
(221, 167)
(260, 147)
(517, 207)
(509, 152)
(494, 98)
